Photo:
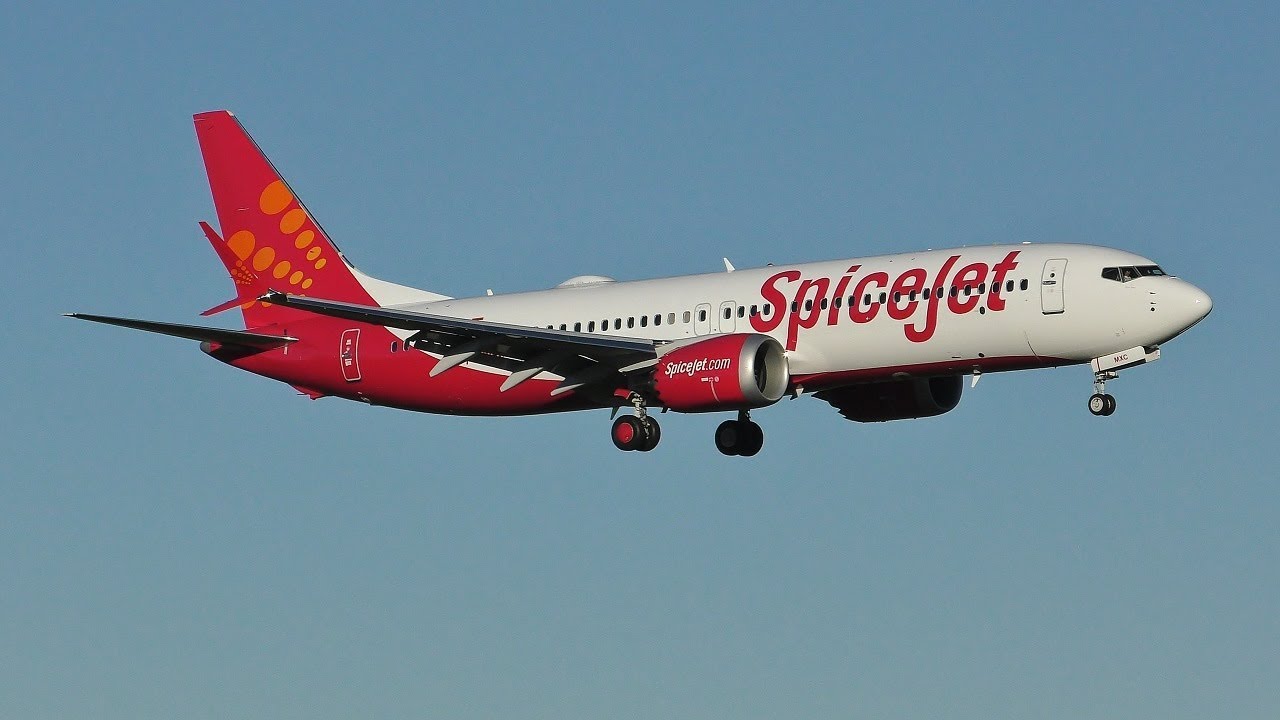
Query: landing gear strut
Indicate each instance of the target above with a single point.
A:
(739, 437)
(636, 432)
(1100, 403)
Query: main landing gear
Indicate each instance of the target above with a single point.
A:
(739, 437)
(1100, 403)
(636, 432)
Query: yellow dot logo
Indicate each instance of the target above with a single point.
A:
(321, 263)
(281, 270)
(304, 239)
(296, 277)
(313, 253)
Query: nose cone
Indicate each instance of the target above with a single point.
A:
(1201, 303)
(1185, 304)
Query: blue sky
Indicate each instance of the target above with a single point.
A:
(178, 539)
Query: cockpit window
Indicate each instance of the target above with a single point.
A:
(1130, 272)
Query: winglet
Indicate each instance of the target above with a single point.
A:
(244, 278)
(728, 266)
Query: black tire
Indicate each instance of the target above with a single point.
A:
(652, 434)
(752, 439)
(1111, 405)
(627, 433)
(1098, 404)
(728, 435)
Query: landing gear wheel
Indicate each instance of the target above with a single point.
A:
(1102, 404)
(727, 437)
(1098, 404)
(628, 433)
(752, 439)
(652, 433)
(739, 437)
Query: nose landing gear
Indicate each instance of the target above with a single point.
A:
(1100, 403)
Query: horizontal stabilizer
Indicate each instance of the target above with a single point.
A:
(194, 332)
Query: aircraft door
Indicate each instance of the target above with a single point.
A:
(702, 319)
(1052, 299)
(725, 318)
(348, 354)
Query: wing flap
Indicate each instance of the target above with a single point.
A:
(521, 341)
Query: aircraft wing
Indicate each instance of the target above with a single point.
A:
(583, 358)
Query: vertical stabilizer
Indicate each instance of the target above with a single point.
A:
(270, 239)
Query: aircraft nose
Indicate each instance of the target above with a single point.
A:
(1189, 304)
(1201, 303)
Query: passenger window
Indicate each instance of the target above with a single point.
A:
(1024, 284)
(657, 319)
(702, 316)
(824, 303)
(925, 294)
(563, 327)
(617, 323)
(577, 327)
(1008, 286)
(837, 302)
(395, 347)
(671, 318)
(753, 311)
(591, 326)
(686, 316)
(954, 291)
(742, 310)
(728, 313)
(644, 321)
(883, 297)
(795, 306)
(631, 322)
(982, 288)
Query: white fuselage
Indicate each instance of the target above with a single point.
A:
(1052, 306)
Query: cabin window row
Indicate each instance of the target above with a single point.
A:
(743, 311)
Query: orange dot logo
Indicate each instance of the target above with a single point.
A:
(292, 220)
(275, 198)
(242, 244)
(263, 259)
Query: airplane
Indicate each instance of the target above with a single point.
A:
(879, 338)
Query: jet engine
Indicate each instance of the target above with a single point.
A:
(725, 372)
(896, 399)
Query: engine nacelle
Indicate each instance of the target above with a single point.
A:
(896, 399)
(725, 372)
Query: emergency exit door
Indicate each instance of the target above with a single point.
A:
(1052, 299)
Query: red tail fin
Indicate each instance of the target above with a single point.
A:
(271, 241)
